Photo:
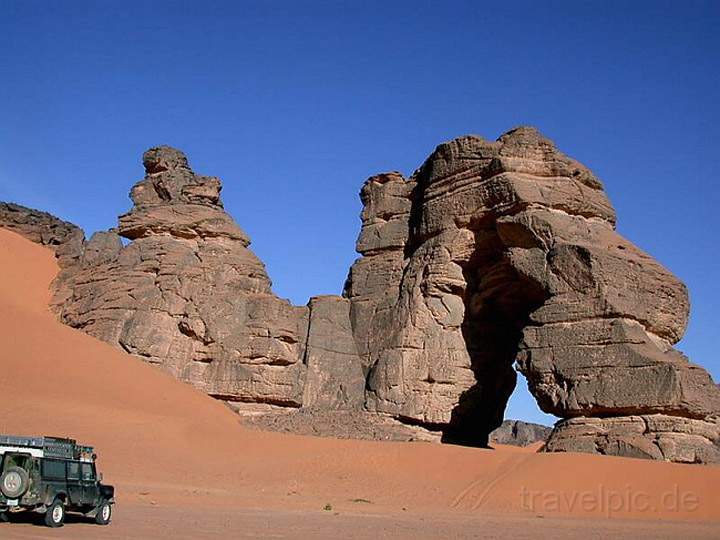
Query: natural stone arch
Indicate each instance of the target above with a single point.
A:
(491, 251)
(513, 234)
(498, 301)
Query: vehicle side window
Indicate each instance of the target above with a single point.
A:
(88, 471)
(73, 470)
(53, 468)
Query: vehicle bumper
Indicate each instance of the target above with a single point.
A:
(27, 502)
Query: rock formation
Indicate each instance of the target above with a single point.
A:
(187, 293)
(66, 239)
(357, 424)
(518, 433)
(510, 252)
(491, 253)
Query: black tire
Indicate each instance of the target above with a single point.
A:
(55, 514)
(14, 482)
(104, 513)
(4, 517)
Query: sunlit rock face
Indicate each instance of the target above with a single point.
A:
(187, 293)
(493, 257)
(511, 254)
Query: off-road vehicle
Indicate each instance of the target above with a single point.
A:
(50, 476)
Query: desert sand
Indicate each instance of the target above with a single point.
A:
(184, 466)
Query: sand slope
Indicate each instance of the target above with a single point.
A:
(161, 442)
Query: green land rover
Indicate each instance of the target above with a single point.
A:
(51, 476)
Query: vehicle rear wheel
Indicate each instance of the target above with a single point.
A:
(104, 513)
(14, 482)
(55, 514)
(4, 518)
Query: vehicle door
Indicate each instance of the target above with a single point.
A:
(88, 480)
(54, 476)
(75, 487)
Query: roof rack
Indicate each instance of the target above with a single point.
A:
(54, 447)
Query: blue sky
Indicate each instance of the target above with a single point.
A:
(294, 104)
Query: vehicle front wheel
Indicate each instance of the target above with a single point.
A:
(104, 513)
(55, 514)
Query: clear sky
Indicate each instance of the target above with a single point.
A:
(293, 104)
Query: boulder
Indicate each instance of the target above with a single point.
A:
(657, 436)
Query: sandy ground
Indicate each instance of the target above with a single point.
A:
(184, 467)
(211, 523)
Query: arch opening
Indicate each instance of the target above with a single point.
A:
(498, 302)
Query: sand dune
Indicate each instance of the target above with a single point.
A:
(164, 444)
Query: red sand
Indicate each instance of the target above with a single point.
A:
(165, 445)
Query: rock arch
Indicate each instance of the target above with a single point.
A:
(491, 252)
(512, 252)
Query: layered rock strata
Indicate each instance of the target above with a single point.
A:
(492, 255)
(187, 293)
(511, 253)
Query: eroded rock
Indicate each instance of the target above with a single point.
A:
(512, 254)
(657, 436)
(335, 378)
(518, 433)
(186, 293)
(491, 252)
(66, 239)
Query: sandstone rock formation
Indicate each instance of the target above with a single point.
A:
(654, 436)
(187, 293)
(42, 228)
(358, 424)
(518, 433)
(491, 253)
(510, 251)
(338, 424)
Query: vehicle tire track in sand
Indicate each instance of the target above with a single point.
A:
(487, 483)
(476, 483)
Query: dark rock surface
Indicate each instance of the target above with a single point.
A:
(66, 239)
(492, 252)
(40, 227)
